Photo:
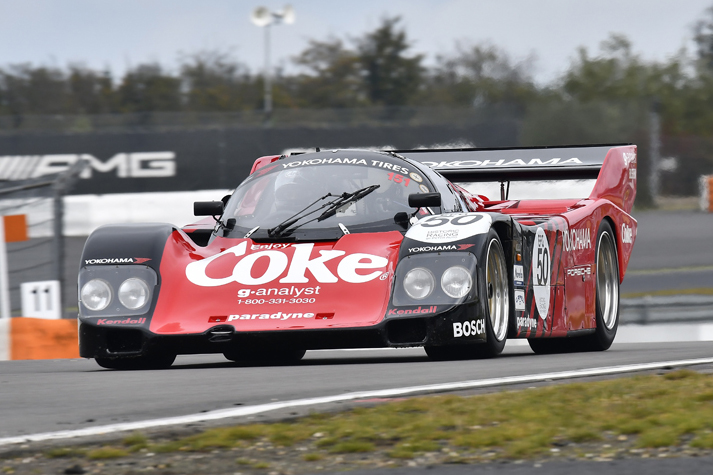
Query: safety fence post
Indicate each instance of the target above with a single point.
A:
(4, 279)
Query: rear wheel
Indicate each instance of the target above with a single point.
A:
(151, 361)
(497, 290)
(607, 302)
(548, 346)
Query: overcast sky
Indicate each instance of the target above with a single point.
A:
(117, 34)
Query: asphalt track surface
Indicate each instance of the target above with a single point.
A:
(690, 466)
(672, 252)
(55, 395)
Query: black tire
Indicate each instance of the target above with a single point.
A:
(550, 346)
(497, 289)
(607, 298)
(161, 361)
(274, 356)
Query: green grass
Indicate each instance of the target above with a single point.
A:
(645, 411)
(312, 457)
(65, 452)
(135, 442)
(352, 447)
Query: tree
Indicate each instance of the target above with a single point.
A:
(147, 88)
(480, 74)
(214, 81)
(615, 74)
(703, 36)
(331, 76)
(90, 92)
(391, 78)
(33, 90)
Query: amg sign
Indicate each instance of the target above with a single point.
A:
(124, 165)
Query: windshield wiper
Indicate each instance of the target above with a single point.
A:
(277, 230)
(332, 208)
(344, 200)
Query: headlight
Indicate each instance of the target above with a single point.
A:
(134, 293)
(456, 282)
(96, 295)
(419, 283)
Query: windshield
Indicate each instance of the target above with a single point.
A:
(293, 188)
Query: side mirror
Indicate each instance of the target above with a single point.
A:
(424, 200)
(208, 208)
(402, 219)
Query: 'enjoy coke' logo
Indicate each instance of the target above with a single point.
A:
(296, 269)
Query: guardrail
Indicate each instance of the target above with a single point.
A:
(667, 309)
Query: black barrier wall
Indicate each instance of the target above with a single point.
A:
(131, 162)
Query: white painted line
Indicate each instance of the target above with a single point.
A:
(379, 393)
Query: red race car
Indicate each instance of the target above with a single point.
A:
(365, 249)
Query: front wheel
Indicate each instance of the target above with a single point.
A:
(151, 361)
(497, 291)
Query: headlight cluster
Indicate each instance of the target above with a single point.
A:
(435, 278)
(133, 294)
(116, 290)
(456, 282)
(96, 294)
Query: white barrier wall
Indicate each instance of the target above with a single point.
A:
(84, 213)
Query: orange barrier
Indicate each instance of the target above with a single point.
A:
(40, 339)
(15, 228)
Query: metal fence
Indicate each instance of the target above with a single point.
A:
(652, 310)
(41, 256)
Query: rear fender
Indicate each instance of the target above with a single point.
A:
(617, 178)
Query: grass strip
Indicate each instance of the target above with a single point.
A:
(648, 412)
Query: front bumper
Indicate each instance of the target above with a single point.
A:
(462, 324)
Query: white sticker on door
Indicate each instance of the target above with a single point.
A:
(541, 270)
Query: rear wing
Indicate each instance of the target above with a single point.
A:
(613, 166)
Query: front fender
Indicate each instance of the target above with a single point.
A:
(125, 244)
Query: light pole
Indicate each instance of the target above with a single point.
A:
(263, 17)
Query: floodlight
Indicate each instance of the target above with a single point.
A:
(288, 15)
(261, 16)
